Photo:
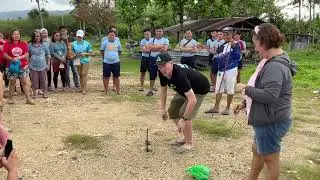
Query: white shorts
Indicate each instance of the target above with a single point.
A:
(227, 82)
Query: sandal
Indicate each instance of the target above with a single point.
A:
(45, 95)
(183, 149)
(141, 89)
(150, 93)
(225, 112)
(178, 142)
(212, 110)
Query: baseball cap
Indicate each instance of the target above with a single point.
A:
(80, 33)
(163, 58)
(227, 30)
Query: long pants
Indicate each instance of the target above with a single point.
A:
(49, 75)
(74, 74)
(38, 80)
(63, 78)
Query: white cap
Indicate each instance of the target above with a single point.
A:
(44, 29)
(80, 33)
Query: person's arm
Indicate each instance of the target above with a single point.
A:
(144, 47)
(102, 48)
(163, 97)
(271, 82)
(11, 165)
(53, 54)
(89, 51)
(165, 46)
(191, 103)
(119, 49)
(154, 47)
(64, 52)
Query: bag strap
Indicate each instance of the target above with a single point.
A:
(187, 42)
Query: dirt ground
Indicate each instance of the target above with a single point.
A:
(120, 123)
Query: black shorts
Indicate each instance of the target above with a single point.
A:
(214, 66)
(111, 68)
(153, 68)
(144, 65)
(188, 61)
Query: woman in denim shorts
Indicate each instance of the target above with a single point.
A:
(268, 100)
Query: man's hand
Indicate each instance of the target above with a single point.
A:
(238, 108)
(180, 125)
(164, 114)
(11, 164)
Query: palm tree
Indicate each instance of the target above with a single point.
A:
(39, 9)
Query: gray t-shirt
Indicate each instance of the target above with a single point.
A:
(190, 44)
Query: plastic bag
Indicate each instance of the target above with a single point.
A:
(199, 172)
(14, 66)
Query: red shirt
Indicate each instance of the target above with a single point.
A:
(15, 50)
(2, 60)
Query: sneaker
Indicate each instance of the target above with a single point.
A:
(150, 93)
(316, 92)
(141, 89)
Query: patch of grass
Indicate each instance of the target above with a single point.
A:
(308, 172)
(84, 142)
(216, 129)
(306, 118)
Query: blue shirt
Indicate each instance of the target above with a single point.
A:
(58, 50)
(82, 47)
(38, 56)
(209, 41)
(162, 41)
(216, 43)
(106, 38)
(111, 51)
(144, 42)
(229, 57)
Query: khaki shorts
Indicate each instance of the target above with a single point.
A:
(178, 106)
(83, 69)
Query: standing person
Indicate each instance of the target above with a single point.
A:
(227, 62)
(213, 37)
(243, 49)
(213, 47)
(268, 100)
(112, 28)
(46, 41)
(156, 45)
(38, 63)
(145, 58)
(83, 51)
(58, 51)
(191, 87)
(189, 48)
(111, 51)
(3, 62)
(69, 59)
(16, 53)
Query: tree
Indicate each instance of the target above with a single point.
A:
(95, 13)
(39, 10)
(34, 13)
(130, 11)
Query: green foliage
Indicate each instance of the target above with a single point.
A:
(26, 26)
(216, 129)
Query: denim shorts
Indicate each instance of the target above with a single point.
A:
(268, 138)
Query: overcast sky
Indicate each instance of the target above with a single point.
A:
(17, 5)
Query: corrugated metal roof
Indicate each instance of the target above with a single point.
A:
(217, 23)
